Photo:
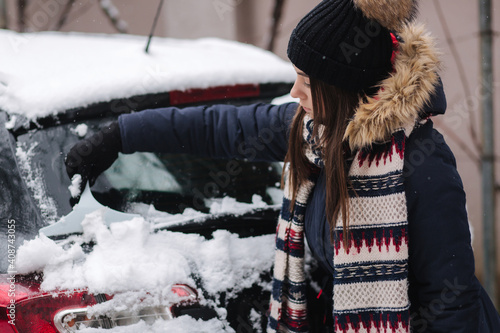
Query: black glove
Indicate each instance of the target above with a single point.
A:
(91, 156)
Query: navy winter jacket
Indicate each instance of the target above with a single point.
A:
(444, 292)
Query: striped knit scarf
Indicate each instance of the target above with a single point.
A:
(370, 275)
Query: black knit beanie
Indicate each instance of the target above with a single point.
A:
(339, 42)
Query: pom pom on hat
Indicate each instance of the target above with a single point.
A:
(391, 14)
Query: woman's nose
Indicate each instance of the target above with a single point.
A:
(296, 92)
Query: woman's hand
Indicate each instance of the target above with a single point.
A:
(92, 156)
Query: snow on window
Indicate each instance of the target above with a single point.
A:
(34, 180)
(11, 123)
(218, 206)
(161, 219)
(276, 194)
(75, 186)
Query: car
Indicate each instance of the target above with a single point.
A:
(57, 88)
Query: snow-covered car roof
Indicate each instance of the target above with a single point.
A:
(45, 73)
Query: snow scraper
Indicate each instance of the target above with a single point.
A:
(72, 223)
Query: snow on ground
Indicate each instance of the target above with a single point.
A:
(45, 73)
(137, 260)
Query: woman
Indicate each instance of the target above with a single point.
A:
(369, 184)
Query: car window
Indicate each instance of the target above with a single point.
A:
(141, 171)
(170, 182)
(173, 182)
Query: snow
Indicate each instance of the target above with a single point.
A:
(255, 320)
(129, 249)
(34, 181)
(143, 264)
(43, 252)
(11, 123)
(182, 324)
(218, 206)
(228, 205)
(162, 219)
(74, 188)
(48, 72)
(276, 194)
(80, 130)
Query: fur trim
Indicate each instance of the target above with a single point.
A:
(392, 14)
(402, 96)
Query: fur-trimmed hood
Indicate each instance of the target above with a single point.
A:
(402, 96)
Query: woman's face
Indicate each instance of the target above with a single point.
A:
(302, 90)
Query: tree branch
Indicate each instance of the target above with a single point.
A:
(64, 15)
(113, 15)
(461, 72)
(4, 19)
(21, 5)
(277, 13)
(461, 144)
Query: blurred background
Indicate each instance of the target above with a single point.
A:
(268, 24)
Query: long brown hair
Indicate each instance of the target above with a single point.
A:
(332, 107)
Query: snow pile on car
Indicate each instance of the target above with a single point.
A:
(49, 72)
(129, 258)
(218, 206)
(178, 325)
(136, 258)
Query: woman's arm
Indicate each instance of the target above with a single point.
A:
(254, 132)
(443, 288)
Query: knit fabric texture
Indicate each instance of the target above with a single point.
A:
(337, 44)
(370, 274)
